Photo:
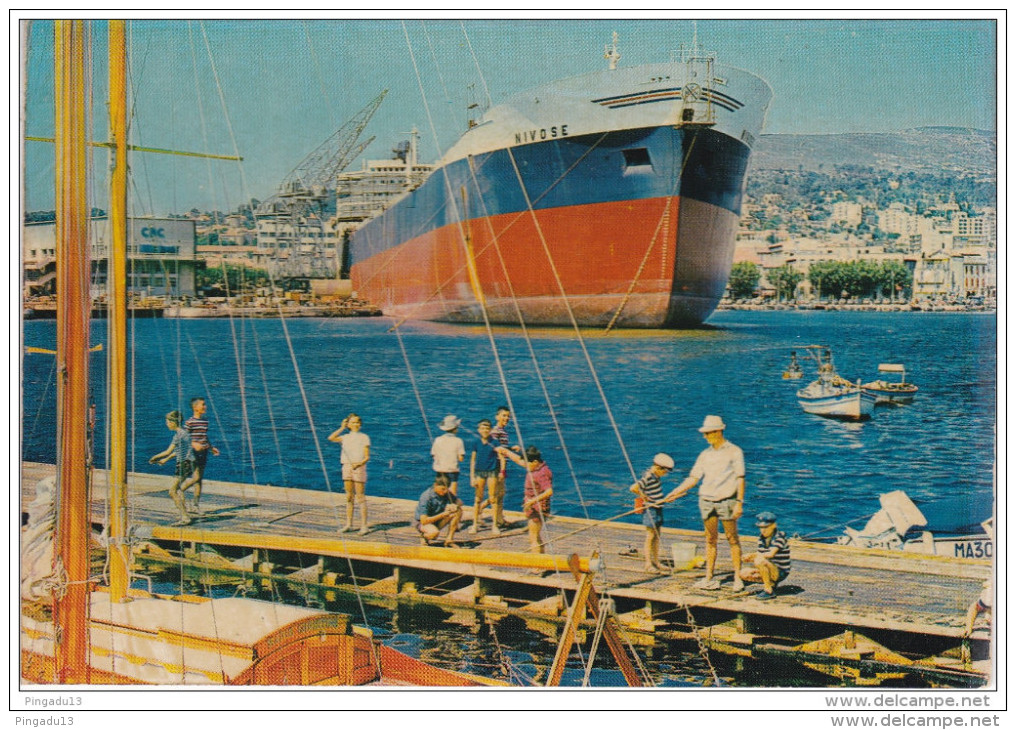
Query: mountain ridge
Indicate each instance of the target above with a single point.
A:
(955, 150)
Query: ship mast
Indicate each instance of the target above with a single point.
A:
(117, 278)
(611, 53)
(70, 605)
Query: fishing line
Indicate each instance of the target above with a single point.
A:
(571, 314)
(268, 403)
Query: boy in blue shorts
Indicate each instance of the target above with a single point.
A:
(484, 470)
(180, 446)
(649, 489)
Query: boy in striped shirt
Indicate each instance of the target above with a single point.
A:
(650, 490)
(197, 426)
(771, 562)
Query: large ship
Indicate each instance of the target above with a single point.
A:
(609, 199)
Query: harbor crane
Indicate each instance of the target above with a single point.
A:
(290, 223)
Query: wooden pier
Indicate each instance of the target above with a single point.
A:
(864, 616)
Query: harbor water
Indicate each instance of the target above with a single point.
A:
(598, 407)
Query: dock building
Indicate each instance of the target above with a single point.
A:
(161, 256)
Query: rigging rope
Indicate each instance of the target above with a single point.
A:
(571, 314)
(601, 621)
(412, 380)
(287, 337)
(268, 404)
(656, 235)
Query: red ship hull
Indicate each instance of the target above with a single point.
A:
(594, 265)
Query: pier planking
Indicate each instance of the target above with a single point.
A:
(831, 584)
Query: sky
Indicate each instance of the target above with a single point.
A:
(271, 90)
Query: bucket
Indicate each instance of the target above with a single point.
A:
(684, 555)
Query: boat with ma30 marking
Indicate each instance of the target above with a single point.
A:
(961, 527)
(606, 199)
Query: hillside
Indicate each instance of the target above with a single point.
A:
(926, 150)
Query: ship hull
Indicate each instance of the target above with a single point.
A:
(604, 267)
(628, 227)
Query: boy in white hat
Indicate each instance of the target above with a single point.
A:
(720, 469)
(448, 451)
(650, 490)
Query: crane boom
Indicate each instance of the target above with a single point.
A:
(332, 156)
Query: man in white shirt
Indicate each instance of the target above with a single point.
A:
(448, 451)
(720, 469)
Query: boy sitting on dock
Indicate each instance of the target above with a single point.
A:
(771, 563)
(354, 458)
(438, 508)
(179, 446)
(650, 490)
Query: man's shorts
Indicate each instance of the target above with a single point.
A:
(724, 509)
(487, 473)
(453, 476)
(184, 468)
(349, 474)
(653, 517)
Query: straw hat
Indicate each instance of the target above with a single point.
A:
(450, 423)
(712, 423)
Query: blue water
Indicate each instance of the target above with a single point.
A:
(814, 473)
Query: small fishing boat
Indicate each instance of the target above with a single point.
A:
(831, 395)
(892, 392)
(960, 527)
(793, 371)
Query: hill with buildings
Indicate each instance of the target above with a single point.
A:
(925, 198)
(953, 150)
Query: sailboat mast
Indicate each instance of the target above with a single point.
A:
(70, 605)
(117, 278)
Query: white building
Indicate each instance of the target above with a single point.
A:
(897, 219)
(161, 257)
(848, 212)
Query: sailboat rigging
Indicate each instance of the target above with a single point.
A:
(123, 635)
(74, 631)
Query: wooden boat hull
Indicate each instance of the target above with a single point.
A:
(891, 393)
(184, 640)
(856, 405)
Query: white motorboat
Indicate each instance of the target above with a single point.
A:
(960, 527)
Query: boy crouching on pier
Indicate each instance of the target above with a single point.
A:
(438, 508)
(771, 562)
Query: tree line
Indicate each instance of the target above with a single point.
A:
(862, 279)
